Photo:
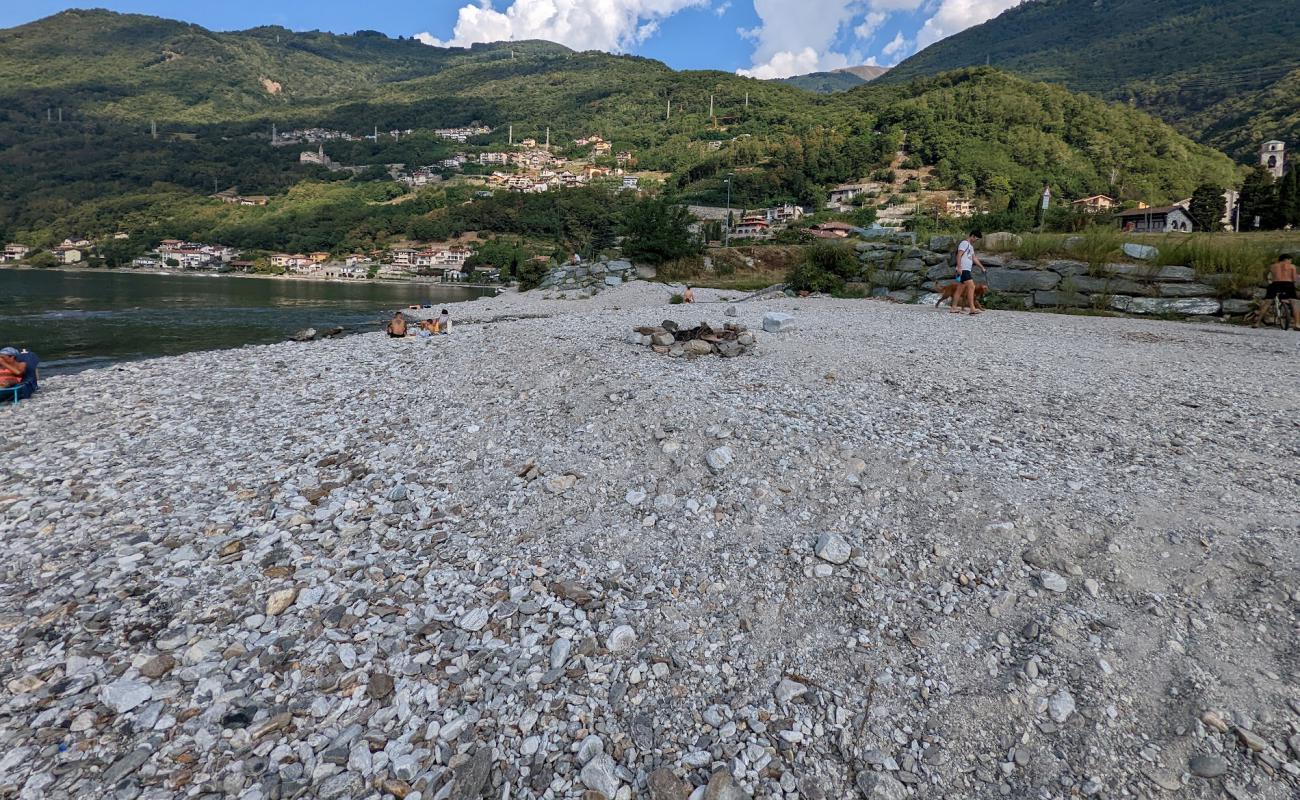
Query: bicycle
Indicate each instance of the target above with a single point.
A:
(1281, 312)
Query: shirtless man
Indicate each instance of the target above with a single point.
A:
(396, 326)
(1281, 277)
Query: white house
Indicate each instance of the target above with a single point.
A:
(1167, 219)
(14, 252)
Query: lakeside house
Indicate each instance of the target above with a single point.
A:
(296, 262)
(177, 254)
(66, 254)
(1166, 219)
(1097, 204)
(14, 252)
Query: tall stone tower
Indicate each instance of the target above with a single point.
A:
(1272, 156)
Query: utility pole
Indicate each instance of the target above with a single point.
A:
(512, 135)
(670, 109)
(49, 115)
(274, 135)
(153, 128)
(60, 113)
(746, 101)
(548, 137)
(711, 108)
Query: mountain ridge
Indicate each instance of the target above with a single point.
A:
(214, 97)
(1211, 69)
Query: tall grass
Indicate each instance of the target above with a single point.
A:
(1097, 245)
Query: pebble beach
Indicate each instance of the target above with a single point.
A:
(890, 553)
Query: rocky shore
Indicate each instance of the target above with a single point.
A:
(888, 553)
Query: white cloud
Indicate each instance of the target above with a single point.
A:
(723, 8)
(896, 47)
(801, 62)
(613, 25)
(796, 37)
(955, 16)
(870, 24)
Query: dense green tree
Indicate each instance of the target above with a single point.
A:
(1288, 199)
(1259, 200)
(1208, 207)
(656, 230)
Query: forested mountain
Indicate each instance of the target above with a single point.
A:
(1225, 73)
(837, 80)
(214, 97)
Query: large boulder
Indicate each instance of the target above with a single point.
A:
(1093, 285)
(1068, 267)
(1142, 252)
(939, 272)
(1144, 272)
(777, 322)
(1185, 290)
(942, 244)
(1020, 280)
(1235, 306)
(1189, 306)
(1001, 240)
(1057, 299)
(912, 264)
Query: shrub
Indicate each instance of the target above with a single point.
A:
(825, 268)
(531, 274)
(676, 300)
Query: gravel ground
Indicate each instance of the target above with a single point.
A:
(893, 553)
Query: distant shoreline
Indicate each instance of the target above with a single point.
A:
(207, 274)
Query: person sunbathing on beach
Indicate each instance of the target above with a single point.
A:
(444, 322)
(12, 371)
(396, 326)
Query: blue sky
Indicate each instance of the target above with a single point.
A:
(763, 38)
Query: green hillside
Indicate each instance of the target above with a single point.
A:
(1224, 73)
(824, 82)
(214, 97)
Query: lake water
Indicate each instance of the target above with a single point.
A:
(78, 319)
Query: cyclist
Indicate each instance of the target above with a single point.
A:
(1281, 277)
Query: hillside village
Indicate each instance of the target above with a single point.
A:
(896, 197)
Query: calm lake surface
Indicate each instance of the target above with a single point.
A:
(74, 320)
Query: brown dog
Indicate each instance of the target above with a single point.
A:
(946, 293)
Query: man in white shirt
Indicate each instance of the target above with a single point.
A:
(967, 260)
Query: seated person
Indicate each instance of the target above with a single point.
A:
(1282, 285)
(19, 368)
(428, 328)
(443, 323)
(396, 326)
